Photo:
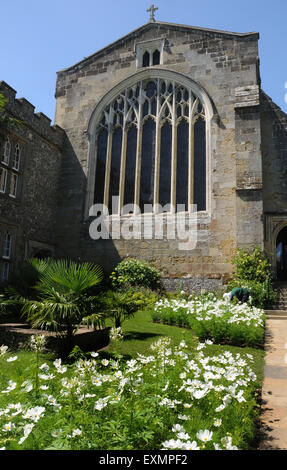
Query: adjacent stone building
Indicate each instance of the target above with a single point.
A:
(169, 114)
(30, 161)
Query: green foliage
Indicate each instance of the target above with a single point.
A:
(61, 304)
(252, 265)
(76, 354)
(253, 270)
(262, 293)
(121, 304)
(6, 121)
(135, 273)
(143, 404)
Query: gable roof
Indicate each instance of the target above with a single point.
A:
(160, 24)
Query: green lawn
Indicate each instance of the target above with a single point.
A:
(140, 332)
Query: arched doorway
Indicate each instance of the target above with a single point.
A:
(281, 255)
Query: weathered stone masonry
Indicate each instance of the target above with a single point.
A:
(224, 65)
(31, 216)
(246, 151)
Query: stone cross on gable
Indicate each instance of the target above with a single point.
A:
(152, 9)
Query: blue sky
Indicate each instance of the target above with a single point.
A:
(39, 38)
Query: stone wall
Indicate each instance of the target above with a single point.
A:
(274, 157)
(31, 216)
(223, 64)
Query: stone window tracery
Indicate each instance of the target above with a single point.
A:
(151, 147)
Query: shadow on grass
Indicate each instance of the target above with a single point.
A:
(135, 335)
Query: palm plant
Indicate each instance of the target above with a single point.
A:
(120, 305)
(62, 302)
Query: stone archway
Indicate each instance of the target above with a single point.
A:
(281, 254)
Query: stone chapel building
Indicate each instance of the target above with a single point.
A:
(168, 114)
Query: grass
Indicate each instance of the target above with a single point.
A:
(140, 332)
(136, 421)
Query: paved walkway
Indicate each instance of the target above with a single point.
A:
(274, 392)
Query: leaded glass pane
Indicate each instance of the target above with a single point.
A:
(101, 166)
(165, 164)
(115, 169)
(182, 164)
(130, 166)
(147, 163)
(200, 165)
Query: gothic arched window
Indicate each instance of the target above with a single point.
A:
(150, 148)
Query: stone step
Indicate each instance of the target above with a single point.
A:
(276, 314)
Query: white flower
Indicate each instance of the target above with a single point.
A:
(94, 354)
(220, 408)
(177, 428)
(27, 430)
(12, 358)
(216, 446)
(3, 350)
(205, 435)
(56, 433)
(8, 427)
(44, 387)
(57, 362)
(105, 362)
(34, 413)
(217, 423)
(37, 342)
(100, 404)
(76, 432)
(190, 446)
(183, 417)
(44, 367)
(183, 436)
(12, 386)
(226, 441)
(46, 376)
(96, 381)
(172, 444)
(200, 394)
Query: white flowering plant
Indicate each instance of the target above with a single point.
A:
(221, 320)
(173, 398)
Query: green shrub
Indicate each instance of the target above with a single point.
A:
(252, 265)
(135, 273)
(262, 293)
(253, 270)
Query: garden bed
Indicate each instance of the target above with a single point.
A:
(221, 321)
(175, 397)
(17, 334)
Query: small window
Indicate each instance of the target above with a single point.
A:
(5, 271)
(16, 159)
(3, 179)
(7, 245)
(156, 57)
(6, 153)
(13, 185)
(146, 59)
